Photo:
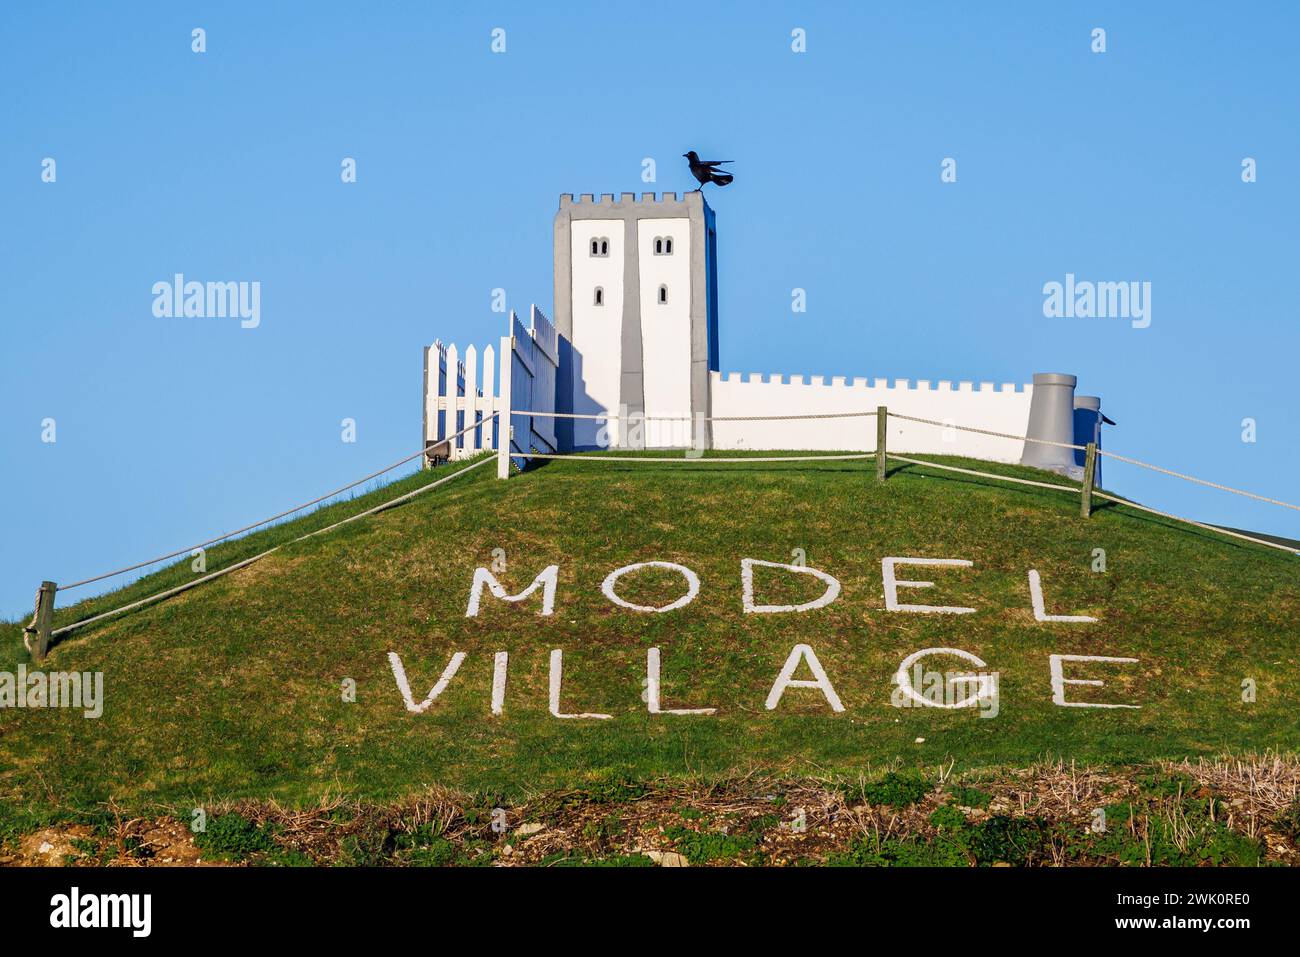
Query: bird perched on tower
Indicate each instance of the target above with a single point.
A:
(706, 171)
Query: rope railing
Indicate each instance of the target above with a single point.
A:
(266, 521)
(1192, 478)
(1055, 486)
(1000, 435)
(1074, 490)
(1086, 489)
(1101, 451)
(646, 417)
(44, 608)
(248, 561)
(1217, 529)
(697, 459)
(906, 418)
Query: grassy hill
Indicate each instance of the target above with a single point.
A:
(232, 690)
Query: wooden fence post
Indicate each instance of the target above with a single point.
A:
(882, 429)
(1089, 476)
(42, 621)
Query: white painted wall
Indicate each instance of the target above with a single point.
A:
(666, 357)
(666, 331)
(999, 409)
(597, 330)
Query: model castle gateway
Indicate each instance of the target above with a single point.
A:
(635, 339)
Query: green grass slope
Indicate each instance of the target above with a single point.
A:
(233, 689)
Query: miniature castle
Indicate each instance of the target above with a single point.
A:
(636, 338)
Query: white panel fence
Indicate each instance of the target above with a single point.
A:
(462, 396)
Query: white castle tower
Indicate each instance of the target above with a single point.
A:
(636, 309)
(636, 338)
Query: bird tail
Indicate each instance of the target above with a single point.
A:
(722, 179)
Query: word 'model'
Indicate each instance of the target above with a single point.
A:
(548, 578)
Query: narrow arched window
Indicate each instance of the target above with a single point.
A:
(604, 247)
(600, 296)
(595, 247)
(659, 245)
(663, 295)
(668, 246)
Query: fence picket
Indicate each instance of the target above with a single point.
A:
(453, 421)
(486, 402)
(471, 400)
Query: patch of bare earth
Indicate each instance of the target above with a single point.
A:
(781, 822)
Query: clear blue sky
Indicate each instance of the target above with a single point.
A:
(225, 165)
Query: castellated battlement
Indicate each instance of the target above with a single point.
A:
(625, 200)
(862, 382)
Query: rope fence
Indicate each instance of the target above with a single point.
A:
(1100, 451)
(266, 521)
(1209, 528)
(1190, 478)
(168, 593)
(1000, 435)
(699, 459)
(642, 417)
(1074, 490)
(1086, 489)
(1055, 486)
(41, 625)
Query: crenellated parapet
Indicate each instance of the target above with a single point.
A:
(864, 382)
(649, 201)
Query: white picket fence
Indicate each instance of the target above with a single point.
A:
(460, 395)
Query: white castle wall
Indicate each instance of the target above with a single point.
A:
(998, 409)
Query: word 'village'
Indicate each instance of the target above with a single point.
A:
(982, 686)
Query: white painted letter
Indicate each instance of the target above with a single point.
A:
(557, 677)
(747, 588)
(786, 679)
(399, 674)
(985, 685)
(692, 586)
(1059, 681)
(499, 680)
(652, 688)
(1036, 598)
(892, 584)
(482, 576)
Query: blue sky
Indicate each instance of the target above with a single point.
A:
(225, 165)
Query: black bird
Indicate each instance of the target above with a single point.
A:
(706, 171)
